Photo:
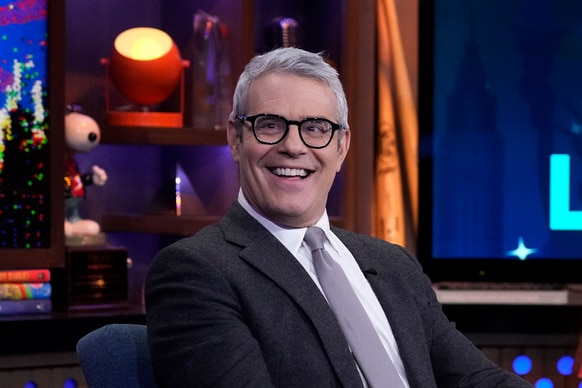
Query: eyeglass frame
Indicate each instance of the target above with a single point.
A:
(251, 119)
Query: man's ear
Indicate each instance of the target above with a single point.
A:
(343, 147)
(233, 139)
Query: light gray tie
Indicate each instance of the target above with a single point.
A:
(378, 369)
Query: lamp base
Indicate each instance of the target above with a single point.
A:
(142, 118)
(146, 119)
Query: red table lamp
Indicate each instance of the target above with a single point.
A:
(146, 68)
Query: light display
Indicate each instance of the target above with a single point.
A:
(24, 130)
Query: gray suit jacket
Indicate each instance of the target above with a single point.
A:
(231, 307)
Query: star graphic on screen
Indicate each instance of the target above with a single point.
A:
(522, 252)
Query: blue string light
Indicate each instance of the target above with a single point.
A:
(565, 365)
(522, 365)
(70, 383)
(544, 382)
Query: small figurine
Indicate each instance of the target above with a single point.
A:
(82, 134)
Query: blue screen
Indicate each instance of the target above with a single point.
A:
(506, 140)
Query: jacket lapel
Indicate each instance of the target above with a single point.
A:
(263, 251)
(397, 305)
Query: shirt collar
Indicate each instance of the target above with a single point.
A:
(291, 238)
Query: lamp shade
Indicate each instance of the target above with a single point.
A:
(145, 65)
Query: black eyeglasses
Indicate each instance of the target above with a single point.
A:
(271, 129)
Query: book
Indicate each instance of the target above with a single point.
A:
(40, 275)
(19, 291)
(29, 306)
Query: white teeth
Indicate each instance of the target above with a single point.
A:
(290, 172)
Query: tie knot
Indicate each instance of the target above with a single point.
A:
(314, 237)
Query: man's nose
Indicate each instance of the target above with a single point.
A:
(293, 140)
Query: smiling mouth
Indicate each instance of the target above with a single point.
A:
(291, 172)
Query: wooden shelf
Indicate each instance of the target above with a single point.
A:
(57, 331)
(156, 224)
(163, 136)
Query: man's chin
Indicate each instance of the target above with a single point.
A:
(295, 218)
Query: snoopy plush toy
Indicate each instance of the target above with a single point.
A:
(82, 134)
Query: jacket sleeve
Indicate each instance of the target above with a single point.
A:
(457, 362)
(196, 330)
(454, 359)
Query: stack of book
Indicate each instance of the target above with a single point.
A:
(25, 291)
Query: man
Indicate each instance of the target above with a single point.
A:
(240, 303)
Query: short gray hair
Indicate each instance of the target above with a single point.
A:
(293, 61)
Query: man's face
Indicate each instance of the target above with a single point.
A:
(288, 182)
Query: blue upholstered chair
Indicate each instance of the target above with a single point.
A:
(116, 356)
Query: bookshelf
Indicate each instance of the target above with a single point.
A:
(163, 136)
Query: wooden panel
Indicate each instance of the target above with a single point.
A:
(359, 81)
(43, 377)
(162, 136)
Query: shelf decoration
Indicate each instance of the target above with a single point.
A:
(177, 197)
(82, 134)
(212, 86)
(146, 68)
